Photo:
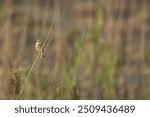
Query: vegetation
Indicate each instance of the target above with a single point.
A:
(79, 63)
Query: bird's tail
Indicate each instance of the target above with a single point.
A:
(43, 55)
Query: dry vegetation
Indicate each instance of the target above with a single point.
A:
(85, 56)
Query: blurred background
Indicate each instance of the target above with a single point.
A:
(99, 49)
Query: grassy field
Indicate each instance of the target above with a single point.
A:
(79, 62)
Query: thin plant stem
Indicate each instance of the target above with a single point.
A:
(3, 29)
(36, 60)
(45, 48)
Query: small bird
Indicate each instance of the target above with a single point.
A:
(38, 47)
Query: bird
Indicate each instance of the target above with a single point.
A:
(38, 47)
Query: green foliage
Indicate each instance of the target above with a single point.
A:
(70, 79)
(97, 28)
(108, 70)
(67, 83)
(17, 76)
(103, 54)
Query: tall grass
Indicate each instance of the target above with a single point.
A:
(79, 63)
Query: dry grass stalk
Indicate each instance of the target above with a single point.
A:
(3, 29)
(36, 60)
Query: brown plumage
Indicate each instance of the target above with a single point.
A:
(38, 47)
